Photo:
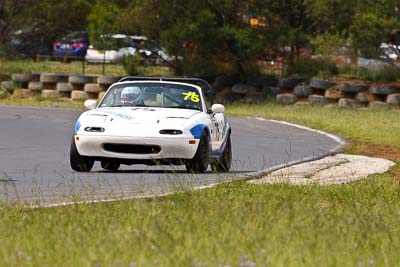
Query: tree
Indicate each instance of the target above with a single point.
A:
(205, 37)
(374, 23)
(11, 19)
(41, 21)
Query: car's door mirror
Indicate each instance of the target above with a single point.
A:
(90, 104)
(217, 108)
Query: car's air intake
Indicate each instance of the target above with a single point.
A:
(94, 129)
(132, 149)
(171, 131)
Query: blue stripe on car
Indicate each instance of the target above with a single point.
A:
(77, 126)
(197, 130)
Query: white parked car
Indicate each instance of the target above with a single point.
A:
(153, 121)
(390, 51)
(119, 46)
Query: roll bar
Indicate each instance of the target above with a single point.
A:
(195, 81)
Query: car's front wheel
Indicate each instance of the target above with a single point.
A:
(110, 166)
(199, 163)
(223, 164)
(79, 163)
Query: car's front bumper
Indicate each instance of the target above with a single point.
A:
(173, 147)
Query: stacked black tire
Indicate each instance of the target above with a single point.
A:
(53, 85)
(229, 89)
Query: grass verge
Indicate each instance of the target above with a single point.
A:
(371, 132)
(63, 103)
(75, 67)
(235, 224)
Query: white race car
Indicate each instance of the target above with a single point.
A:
(153, 121)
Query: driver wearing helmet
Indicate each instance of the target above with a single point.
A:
(132, 95)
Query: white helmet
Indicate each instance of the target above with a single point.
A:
(131, 95)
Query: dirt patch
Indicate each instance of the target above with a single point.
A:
(389, 152)
(370, 83)
(350, 80)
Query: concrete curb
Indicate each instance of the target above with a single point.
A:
(331, 170)
(331, 152)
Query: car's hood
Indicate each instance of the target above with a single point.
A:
(160, 117)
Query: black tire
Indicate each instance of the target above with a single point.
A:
(22, 77)
(286, 99)
(199, 163)
(35, 86)
(353, 87)
(110, 166)
(317, 100)
(53, 78)
(9, 86)
(289, 83)
(107, 80)
(80, 79)
(384, 90)
(393, 99)
(64, 87)
(92, 88)
(302, 91)
(224, 163)
(321, 84)
(79, 163)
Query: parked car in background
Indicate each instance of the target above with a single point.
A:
(113, 48)
(390, 51)
(72, 46)
(29, 43)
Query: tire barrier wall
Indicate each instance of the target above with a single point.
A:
(227, 89)
(51, 85)
(344, 93)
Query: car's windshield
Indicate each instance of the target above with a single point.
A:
(153, 94)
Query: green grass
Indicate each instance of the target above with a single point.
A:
(231, 225)
(379, 126)
(234, 224)
(64, 103)
(75, 67)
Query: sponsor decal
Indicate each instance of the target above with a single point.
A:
(121, 115)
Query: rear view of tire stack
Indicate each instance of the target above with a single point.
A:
(353, 94)
(292, 90)
(323, 92)
(104, 82)
(78, 83)
(52, 85)
(49, 83)
(227, 89)
(384, 96)
(22, 81)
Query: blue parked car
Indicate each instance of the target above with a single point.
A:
(72, 46)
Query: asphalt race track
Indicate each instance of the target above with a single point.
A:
(34, 159)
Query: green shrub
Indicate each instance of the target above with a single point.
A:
(387, 73)
(4, 94)
(131, 64)
(321, 67)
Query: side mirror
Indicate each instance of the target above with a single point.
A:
(217, 108)
(90, 104)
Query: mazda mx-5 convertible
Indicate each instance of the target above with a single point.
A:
(153, 121)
